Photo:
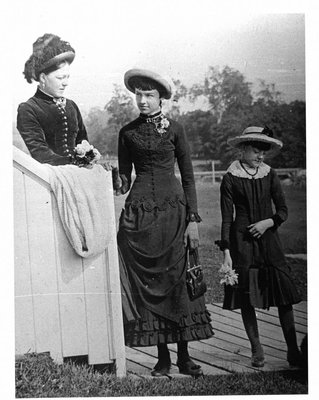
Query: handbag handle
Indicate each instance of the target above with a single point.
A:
(192, 254)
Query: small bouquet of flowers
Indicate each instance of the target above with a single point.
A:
(163, 125)
(228, 275)
(86, 155)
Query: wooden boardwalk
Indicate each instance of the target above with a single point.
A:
(228, 351)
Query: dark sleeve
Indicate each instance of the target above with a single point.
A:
(185, 166)
(34, 137)
(82, 133)
(227, 210)
(279, 200)
(125, 162)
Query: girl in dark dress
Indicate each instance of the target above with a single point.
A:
(160, 217)
(250, 240)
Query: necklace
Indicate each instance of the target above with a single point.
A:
(255, 173)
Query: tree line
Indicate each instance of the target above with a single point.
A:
(223, 105)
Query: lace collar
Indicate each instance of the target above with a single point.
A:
(236, 169)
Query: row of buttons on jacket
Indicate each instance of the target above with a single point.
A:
(65, 129)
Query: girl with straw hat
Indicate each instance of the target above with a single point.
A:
(159, 219)
(250, 241)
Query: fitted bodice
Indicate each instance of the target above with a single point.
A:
(153, 156)
(50, 130)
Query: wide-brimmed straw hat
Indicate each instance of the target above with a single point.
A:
(48, 50)
(257, 134)
(166, 93)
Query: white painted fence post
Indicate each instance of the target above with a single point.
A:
(213, 172)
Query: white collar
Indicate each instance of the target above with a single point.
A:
(236, 169)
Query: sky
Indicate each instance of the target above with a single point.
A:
(178, 38)
(262, 39)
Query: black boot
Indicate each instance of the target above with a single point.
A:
(163, 364)
(185, 365)
(287, 321)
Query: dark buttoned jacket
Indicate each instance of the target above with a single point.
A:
(50, 130)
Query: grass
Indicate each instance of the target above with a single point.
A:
(38, 376)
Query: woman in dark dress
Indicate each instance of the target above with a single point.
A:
(250, 240)
(159, 218)
(50, 125)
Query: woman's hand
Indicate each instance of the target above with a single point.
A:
(124, 187)
(106, 165)
(260, 227)
(228, 262)
(191, 235)
(116, 179)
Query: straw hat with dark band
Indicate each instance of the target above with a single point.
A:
(143, 73)
(256, 134)
(48, 50)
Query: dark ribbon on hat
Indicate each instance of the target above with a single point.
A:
(267, 131)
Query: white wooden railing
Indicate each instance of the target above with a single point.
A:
(64, 304)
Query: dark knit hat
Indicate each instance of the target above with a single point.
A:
(48, 50)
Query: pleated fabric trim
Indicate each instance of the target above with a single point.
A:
(159, 330)
(149, 204)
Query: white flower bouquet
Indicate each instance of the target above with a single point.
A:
(86, 155)
(228, 275)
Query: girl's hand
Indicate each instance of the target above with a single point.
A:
(191, 235)
(260, 227)
(228, 262)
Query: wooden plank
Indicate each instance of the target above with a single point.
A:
(265, 329)
(43, 269)
(238, 336)
(207, 367)
(30, 167)
(139, 363)
(114, 286)
(300, 316)
(96, 310)
(271, 346)
(24, 320)
(234, 361)
(233, 319)
(269, 319)
(71, 292)
(301, 307)
(220, 358)
(137, 369)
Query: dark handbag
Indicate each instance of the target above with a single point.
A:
(196, 285)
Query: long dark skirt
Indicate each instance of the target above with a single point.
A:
(151, 243)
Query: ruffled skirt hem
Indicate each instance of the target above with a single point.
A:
(153, 329)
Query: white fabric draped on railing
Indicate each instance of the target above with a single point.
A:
(81, 196)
